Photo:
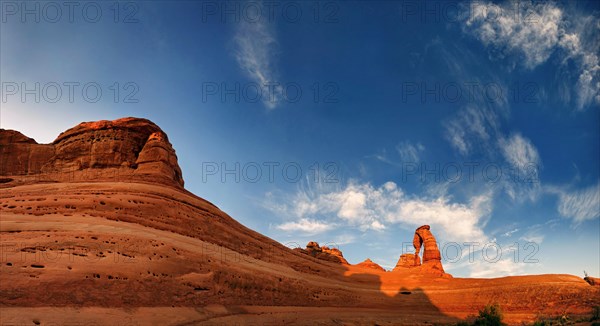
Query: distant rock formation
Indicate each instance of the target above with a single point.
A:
(368, 263)
(432, 260)
(127, 149)
(21, 155)
(331, 254)
(430, 251)
(407, 261)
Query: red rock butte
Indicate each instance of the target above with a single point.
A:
(97, 228)
(125, 150)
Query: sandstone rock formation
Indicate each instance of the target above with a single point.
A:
(424, 237)
(21, 155)
(431, 262)
(127, 149)
(407, 261)
(95, 234)
(368, 263)
(331, 254)
(313, 247)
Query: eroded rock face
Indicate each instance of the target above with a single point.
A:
(407, 261)
(423, 237)
(21, 155)
(432, 260)
(331, 254)
(127, 149)
(368, 263)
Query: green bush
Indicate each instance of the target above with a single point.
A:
(490, 315)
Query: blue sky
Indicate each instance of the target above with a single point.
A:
(349, 123)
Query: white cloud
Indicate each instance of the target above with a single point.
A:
(306, 226)
(534, 36)
(520, 153)
(471, 127)
(456, 135)
(343, 239)
(503, 267)
(534, 32)
(474, 132)
(523, 157)
(580, 205)
(366, 207)
(255, 53)
(509, 233)
(409, 152)
(533, 235)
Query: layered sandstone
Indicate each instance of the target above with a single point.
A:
(431, 264)
(432, 260)
(424, 238)
(117, 240)
(127, 149)
(21, 155)
(406, 261)
(313, 249)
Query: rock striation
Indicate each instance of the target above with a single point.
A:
(127, 149)
(21, 155)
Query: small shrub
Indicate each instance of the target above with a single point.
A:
(490, 315)
(595, 314)
(541, 323)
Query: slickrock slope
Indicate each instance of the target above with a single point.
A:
(96, 228)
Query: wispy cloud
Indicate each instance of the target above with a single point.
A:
(519, 152)
(409, 152)
(525, 163)
(475, 132)
(472, 126)
(534, 234)
(503, 267)
(306, 226)
(343, 239)
(580, 205)
(510, 233)
(365, 207)
(256, 47)
(535, 33)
